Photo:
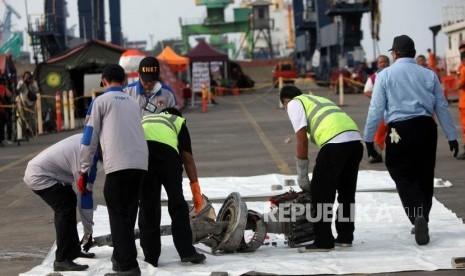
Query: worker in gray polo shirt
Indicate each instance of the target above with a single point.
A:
(151, 94)
(52, 175)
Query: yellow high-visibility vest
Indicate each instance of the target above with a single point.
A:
(325, 120)
(163, 128)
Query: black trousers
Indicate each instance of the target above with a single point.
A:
(9, 123)
(62, 199)
(121, 193)
(411, 164)
(2, 125)
(336, 169)
(168, 173)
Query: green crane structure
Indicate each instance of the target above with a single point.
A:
(214, 24)
(11, 42)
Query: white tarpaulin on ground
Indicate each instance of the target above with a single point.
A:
(261, 185)
(383, 243)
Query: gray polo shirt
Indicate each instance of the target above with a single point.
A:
(161, 97)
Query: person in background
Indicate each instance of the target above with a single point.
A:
(113, 121)
(381, 62)
(170, 147)
(432, 60)
(151, 94)
(5, 94)
(461, 86)
(336, 167)
(26, 98)
(52, 175)
(412, 141)
(421, 60)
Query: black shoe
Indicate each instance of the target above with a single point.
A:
(195, 258)
(114, 265)
(86, 255)
(377, 159)
(68, 266)
(154, 263)
(421, 231)
(461, 156)
(339, 243)
(313, 248)
(131, 272)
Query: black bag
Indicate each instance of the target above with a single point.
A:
(31, 96)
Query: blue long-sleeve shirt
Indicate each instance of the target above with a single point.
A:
(404, 91)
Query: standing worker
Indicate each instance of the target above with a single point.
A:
(169, 146)
(336, 166)
(151, 94)
(408, 95)
(27, 90)
(461, 86)
(432, 60)
(381, 62)
(5, 94)
(51, 175)
(113, 121)
(421, 60)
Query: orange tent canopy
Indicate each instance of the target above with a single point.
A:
(174, 61)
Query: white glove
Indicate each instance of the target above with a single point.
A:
(302, 174)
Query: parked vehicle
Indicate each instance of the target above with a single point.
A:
(285, 70)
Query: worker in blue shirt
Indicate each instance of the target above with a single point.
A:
(408, 95)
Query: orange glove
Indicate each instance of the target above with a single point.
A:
(196, 196)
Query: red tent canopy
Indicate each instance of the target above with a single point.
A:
(204, 52)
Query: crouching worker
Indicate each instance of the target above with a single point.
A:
(52, 175)
(169, 148)
(336, 165)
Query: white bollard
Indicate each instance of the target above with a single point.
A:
(40, 126)
(341, 89)
(71, 110)
(65, 109)
(280, 86)
(19, 126)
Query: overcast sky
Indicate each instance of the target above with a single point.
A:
(160, 18)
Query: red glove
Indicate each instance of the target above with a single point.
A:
(82, 183)
(196, 196)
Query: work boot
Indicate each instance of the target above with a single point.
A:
(131, 272)
(461, 156)
(195, 258)
(86, 255)
(421, 231)
(377, 159)
(313, 248)
(152, 262)
(68, 266)
(341, 243)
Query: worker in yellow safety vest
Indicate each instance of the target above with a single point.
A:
(336, 167)
(169, 146)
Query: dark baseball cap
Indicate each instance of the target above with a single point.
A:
(403, 43)
(113, 72)
(149, 69)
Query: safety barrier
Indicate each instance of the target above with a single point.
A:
(64, 110)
